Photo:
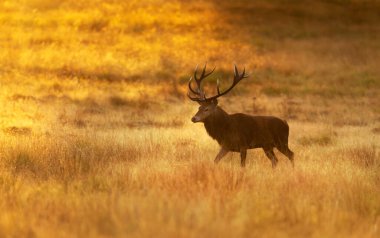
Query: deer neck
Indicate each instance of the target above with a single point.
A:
(217, 123)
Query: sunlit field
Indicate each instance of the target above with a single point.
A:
(95, 131)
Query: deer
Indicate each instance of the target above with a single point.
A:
(238, 132)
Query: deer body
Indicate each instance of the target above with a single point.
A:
(239, 132)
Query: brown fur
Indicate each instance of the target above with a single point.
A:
(240, 132)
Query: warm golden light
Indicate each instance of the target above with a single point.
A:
(95, 131)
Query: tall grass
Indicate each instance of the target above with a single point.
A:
(114, 185)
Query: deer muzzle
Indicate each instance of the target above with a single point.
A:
(195, 119)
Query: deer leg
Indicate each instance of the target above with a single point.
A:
(243, 155)
(220, 155)
(270, 154)
(287, 152)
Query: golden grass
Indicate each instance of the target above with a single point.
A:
(134, 183)
(95, 131)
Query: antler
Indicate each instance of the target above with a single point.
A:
(199, 92)
(202, 97)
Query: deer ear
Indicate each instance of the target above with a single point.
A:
(215, 101)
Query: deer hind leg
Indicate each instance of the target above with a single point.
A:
(287, 152)
(220, 155)
(270, 154)
(243, 156)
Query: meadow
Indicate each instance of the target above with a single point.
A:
(95, 131)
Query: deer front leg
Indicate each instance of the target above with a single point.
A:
(243, 155)
(270, 154)
(220, 155)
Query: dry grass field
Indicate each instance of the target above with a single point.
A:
(95, 131)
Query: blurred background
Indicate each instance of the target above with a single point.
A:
(110, 53)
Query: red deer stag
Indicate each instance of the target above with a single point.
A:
(238, 132)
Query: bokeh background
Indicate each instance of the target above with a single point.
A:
(95, 131)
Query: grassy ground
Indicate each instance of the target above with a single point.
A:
(95, 131)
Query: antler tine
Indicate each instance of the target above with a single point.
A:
(212, 71)
(199, 92)
(243, 75)
(204, 75)
(217, 86)
(204, 71)
(195, 73)
(198, 81)
(239, 76)
(190, 88)
(236, 72)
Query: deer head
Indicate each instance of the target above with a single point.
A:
(208, 105)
